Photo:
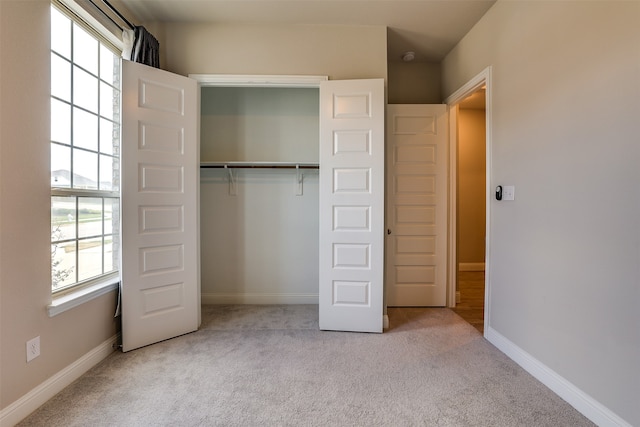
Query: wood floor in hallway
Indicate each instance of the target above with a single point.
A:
(471, 306)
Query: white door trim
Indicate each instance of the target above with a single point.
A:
(452, 264)
(251, 80)
(480, 80)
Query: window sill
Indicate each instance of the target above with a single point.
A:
(65, 302)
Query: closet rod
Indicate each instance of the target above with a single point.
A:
(259, 165)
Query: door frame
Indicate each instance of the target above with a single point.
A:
(481, 79)
(210, 80)
(258, 80)
(298, 81)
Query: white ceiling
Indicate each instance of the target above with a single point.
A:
(431, 28)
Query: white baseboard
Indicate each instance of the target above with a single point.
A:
(31, 401)
(582, 402)
(266, 298)
(471, 266)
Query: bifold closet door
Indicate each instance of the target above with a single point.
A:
(159, 178)
(351, 205)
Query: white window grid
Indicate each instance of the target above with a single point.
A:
(78, 191)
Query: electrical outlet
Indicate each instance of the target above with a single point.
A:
(33, 348)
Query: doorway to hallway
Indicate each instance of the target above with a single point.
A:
(471, 207)
(469, 197)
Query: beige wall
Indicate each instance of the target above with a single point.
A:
(470, 205)
(24, 215)
(340, 52)
(565, 255)
(414, 83)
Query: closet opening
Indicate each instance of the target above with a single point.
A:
(260, 227)
(259, 192)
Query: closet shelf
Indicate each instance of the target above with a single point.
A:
(260, 165)
(228, 166)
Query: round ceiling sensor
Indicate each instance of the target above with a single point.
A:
(408, 56)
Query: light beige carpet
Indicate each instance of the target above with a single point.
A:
(271, 366)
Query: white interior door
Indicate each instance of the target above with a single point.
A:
(351, 205)
(416, 251)
(159, 179)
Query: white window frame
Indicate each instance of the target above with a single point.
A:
(85, 290)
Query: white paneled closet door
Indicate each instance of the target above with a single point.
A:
(351, 205)
(160, 264)
(417, 184)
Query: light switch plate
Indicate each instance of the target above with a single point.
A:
(508, 192)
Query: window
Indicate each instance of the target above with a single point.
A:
(85, 147)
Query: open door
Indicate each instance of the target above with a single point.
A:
(351, 205)
(160, 264)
